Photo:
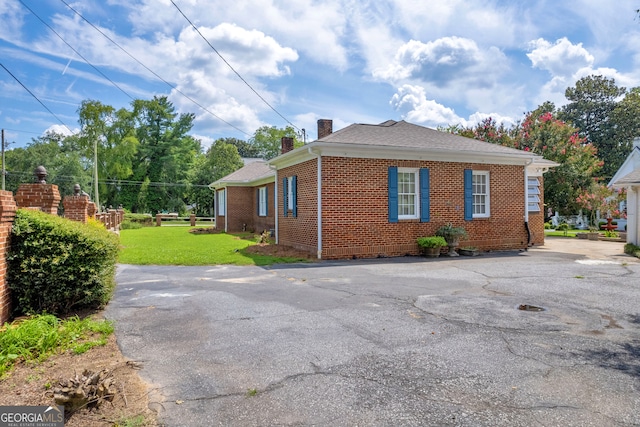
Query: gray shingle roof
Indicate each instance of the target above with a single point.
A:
(631, 178)
(248, 173)
(406, 135)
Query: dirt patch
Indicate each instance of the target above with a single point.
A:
(278, 251)
(33, 383)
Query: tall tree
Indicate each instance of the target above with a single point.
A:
(267, 140)
(166, 153)
(590, 109)
(245, 149)
(220, 160)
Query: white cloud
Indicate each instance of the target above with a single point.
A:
(561, 58)
(60, 130)
(411, 101)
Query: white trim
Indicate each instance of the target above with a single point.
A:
(416, 192)
(487, 194)
(329, 149)
(262, 201)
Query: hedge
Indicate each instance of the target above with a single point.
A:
(56, 265)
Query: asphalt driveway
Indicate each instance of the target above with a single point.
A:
(403, 341)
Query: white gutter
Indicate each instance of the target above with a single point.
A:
(275, 198)
(319, 203)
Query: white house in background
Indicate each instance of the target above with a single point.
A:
(628, 176)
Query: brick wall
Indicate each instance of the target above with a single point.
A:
(7, 214)
(240, 208)
(355, 208)
(45, 197)
(76, 208)
(300, 232)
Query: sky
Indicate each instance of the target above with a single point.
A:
(251, 63)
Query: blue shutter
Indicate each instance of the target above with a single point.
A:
(468, 194)
(284, 195)
(425, 202)
(393, 194)
(294, 195)
(266, 201)
(258, 201)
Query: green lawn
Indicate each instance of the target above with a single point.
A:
(568, 233)
(176, 246)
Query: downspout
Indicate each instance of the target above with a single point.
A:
(226, 208)
(319, 202)
(526, 202)
(275, 198)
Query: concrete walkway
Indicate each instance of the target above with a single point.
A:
(404, 341)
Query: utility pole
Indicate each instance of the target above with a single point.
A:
(3, 167)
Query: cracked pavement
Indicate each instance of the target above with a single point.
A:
(400, 341)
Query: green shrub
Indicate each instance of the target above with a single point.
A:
(130, 225)
(563, 227)
(631, 249)
(56, 265)
(547, 226)
(145, 220)
(431, 242)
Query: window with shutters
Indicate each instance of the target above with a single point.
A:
(480, 192)
(408, 195)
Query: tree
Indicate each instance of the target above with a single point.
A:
(268, 140)
(220, 160)
(543, 134)
(166, 154)
(114, 133)
(592, 103)
(245, 149)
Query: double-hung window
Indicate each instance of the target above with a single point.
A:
(408, 195)
(290, 195)
(262, 201)
(221, 203)
(480, 194)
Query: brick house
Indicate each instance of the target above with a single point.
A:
(243, 199)
(370, 190)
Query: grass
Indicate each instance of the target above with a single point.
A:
(176, 246)
(38, 337)
(560, 233)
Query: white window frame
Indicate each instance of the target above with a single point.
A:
(222, 206)
(290, 193)
(481, 198)
(416, 193)
(533, 191)
(262, 201)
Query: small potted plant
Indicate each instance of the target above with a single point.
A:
(430, 246)
(452, 235)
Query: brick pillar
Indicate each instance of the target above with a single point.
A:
(45, 197)
(192, 220)
(91, 210)
(158, 220)
(7, 214)
(75, 208)
(113, 219)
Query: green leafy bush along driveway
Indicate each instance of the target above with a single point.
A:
(405, 341)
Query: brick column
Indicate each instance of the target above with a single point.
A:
(7, 214)
(91, 210)
(75, 208)
(45, 197)
(192, 220)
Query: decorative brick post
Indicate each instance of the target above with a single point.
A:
(91, 210)
(75, 208)
(45, 197)
(192, 220)
(7, 215)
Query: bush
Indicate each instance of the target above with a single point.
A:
(563, 227)
(547, 226)
(431, 242)
(130, 225)
(145, 220)
(56, 265)
(631, 249)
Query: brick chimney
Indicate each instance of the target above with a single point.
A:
(325, 128)
(287, 144)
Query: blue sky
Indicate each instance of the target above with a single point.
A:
(354, 61)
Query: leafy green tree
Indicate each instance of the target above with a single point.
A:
(220, 160)
(114, 134)
(65, 166)
(591, 109)
(245, 149)
(166, 154)
(268, 140)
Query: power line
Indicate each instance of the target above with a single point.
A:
(232, 69)
(153, 72)
(37, 99)
(77, 53)
(69, 178)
